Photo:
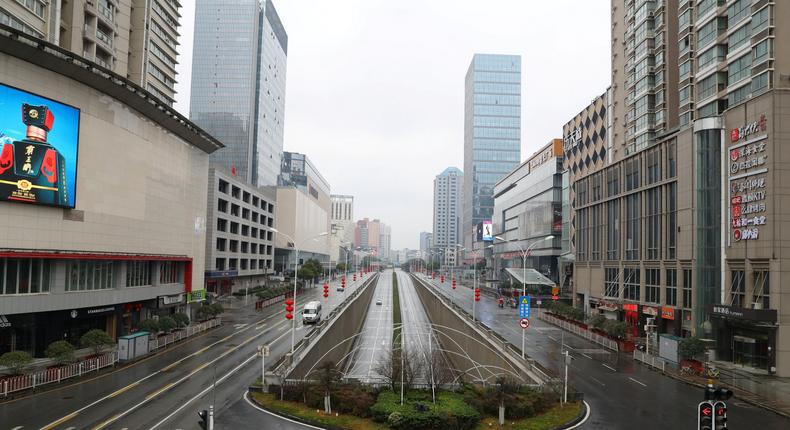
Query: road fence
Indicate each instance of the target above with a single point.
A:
(651, 360)
(579, 331)
(33, 380)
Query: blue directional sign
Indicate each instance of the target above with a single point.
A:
(523, 307)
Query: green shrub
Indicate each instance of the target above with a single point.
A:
(216, 309)
(61, 351)
(614, 328)
(417, 412)
(16, 361)
(691, 347)
(151, 326)
(97, 339)
(520, 402)
(167, 324)
(597, 321)
(181, 319)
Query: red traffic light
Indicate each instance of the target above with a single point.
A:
(289, 302)
(289, 308)
(289, 316)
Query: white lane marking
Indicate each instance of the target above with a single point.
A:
(246, 398)
(637, 382)
(586, 356)
(206, 390)
(553, 338)
(612, 369)
(596, 380)
(20, 428)
(586, 416)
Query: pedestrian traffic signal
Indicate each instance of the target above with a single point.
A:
(705, 416)
(719, 416)
(203, 419)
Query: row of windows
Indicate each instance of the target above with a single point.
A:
(236, 192)
(630, 281)
(245, 213)
(242, 264)
(246, 230)
(24, 276)
(760, 294)
(496, 121)
(224, 245)
(7, 19)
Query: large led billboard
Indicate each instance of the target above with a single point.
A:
(488, 233)
(39, 139)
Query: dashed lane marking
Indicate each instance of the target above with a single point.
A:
(586, 355)
(610, 368)
(637, 382)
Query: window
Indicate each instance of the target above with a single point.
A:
(220, 263)
(739, 95)
(712, 55)
(613, 232)
(87, 275)
(760, 83)
(138, 273)
(223, 186)
(672, 220)
(612, 283)
(597, 229)
(633, 226)
(684, 20)
(710, 31)
(245, 230)
(632, 174)
(234, 228)
(685, 70)
(581, 234)
(235, 209)
(246, 197)
(245, 247)
(684, 95)
(631, 284)
(705, 6)
(613, 181)
(761, 20)
(737, 288)
(671, 291)
(761, 52)
(653, 166)
(221, 244)
(739, 69)
(671, 160)
(169, 272)
(653, 285)
(234, 246)
(762, 297)
(738, 11)
(236, 192)
(687, 289)
(740, 37)
(222, 225)
(653, 223)
(24, 276)
(709, 86)
(222, 206)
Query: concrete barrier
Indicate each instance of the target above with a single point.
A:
(333, 338)
(475, 350)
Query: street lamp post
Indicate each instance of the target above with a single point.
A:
(524, 255)
(296, 277)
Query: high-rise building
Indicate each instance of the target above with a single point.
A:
(385, 241)
(683, 225)
(448, 191)
(342, 233)
(137, 39)
(492, 133)
(372, 236)
(238, 84)
(426, 242)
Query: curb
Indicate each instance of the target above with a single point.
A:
(294, 418)
(579, 418)
(736, 392)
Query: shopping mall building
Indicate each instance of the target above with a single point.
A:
(102, 199)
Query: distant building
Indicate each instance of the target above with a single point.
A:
(448, 191)
(342, 231)
(426, 242)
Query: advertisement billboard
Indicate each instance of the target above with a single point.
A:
(488, 231)
(39, 139)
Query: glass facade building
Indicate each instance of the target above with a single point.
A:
(238, 84)
(492, 132)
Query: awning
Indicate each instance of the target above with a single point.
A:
(533, 277)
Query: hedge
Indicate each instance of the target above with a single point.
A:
(418, 412)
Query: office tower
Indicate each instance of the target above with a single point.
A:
(238, 85)
(448, 189)
(492, 133)
(136, 39)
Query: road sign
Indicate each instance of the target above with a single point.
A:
(524, 323)
(263, 350)
(523, 308)
(539, 302)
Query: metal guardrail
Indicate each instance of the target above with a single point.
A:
(55, 375)
(651, 360)
(581, 332)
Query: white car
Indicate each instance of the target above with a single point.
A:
(378, 302)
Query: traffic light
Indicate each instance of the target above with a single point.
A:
(326, 290)
(289, 308)
(705, 416)
(477, 294)
(719, 415)
(203, 419)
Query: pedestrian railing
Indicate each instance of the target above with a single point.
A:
(579, 331)
(36, 379)
(651, 360)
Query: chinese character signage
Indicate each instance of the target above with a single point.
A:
(747, 160)
(38, 149)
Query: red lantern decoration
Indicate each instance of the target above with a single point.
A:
(326, 295)
(453, 282)
(477, 294)
(289, 308)
(289, 316)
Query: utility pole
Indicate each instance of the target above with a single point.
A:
(567, 362)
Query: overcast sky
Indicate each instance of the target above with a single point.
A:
(375, 88)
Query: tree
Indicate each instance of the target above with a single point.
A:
(341, 267)
(216, 310)
(691, 347)
(504, 388)
(16, 361)
(368, 260)
(61, 351)
(397, 364)
(328, 376)
(97, 339)
(167, 324)
(311, 269)
(151, 326)
(181, 319)
(597, 321)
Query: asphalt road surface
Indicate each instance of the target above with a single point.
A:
(375, 339)
(621, 393)
(167, 389)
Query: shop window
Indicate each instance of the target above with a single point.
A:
(138, 273)
(687, 289)
(737, 288)
(631, 288)
(24, 276)
(87, 275)
(652, 286)
(169, 272)
(612, 285)
(671, 291)
(761, 299)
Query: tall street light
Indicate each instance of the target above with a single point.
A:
(524, 255)
(296, 276)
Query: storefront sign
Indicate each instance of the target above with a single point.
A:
(649, 310)
(667, 313)
(746, 157)
(607, 306)
(737, 134)
(629, 307)
(171, 300)
(221, 273)
(92, 312)
(4, 323)
(541, 158)
(764, 315)
(572, 139)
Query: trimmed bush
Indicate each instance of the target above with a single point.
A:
(614, 328)
(449, 412)
(597, 321)
(691, 347)
(522, 402)
(181, 319)
(151, 326)
(216, 309)
(97, 339)
(16, 361)
(61, 351)
(167, 324)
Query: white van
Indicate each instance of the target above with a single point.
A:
(311, 312)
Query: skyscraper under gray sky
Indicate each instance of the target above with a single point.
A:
(238, 84)
(492, 133)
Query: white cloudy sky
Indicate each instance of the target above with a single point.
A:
(375, 88)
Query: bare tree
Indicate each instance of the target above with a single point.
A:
(439, 369)
(504, 388)
(397, 366)
(328, 377)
